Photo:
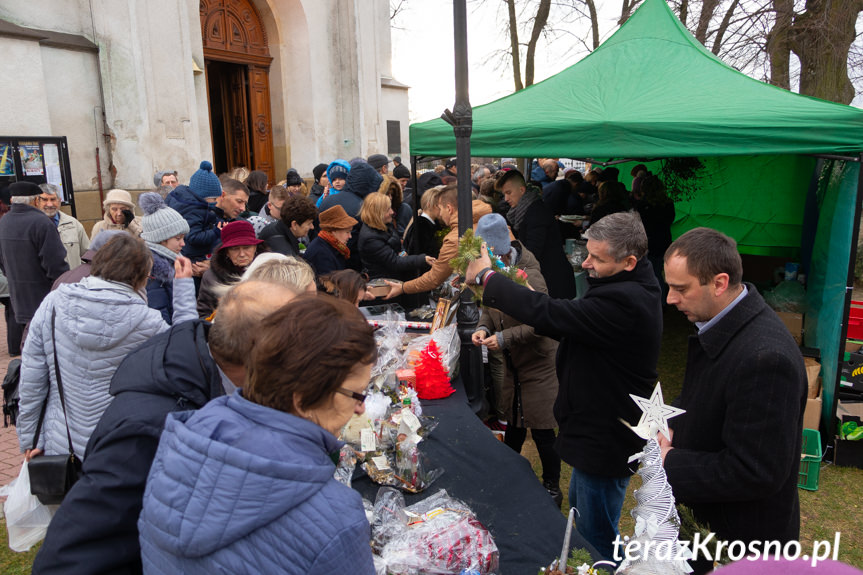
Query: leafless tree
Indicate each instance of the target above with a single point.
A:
(763, 38)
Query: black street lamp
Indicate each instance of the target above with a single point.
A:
(461, 119)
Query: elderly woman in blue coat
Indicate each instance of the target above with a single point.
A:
(245, 484)
(90, 326)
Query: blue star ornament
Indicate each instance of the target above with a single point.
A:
(655, 414)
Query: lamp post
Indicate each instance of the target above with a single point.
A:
(461, 119)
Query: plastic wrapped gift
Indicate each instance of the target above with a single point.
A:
(439, 535)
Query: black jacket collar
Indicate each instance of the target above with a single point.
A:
(714, 340)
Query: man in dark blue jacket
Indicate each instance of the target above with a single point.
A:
(31, 253)
(193, 203)
(95, 529)
(609, 346)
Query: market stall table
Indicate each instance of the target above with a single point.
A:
(497, 483)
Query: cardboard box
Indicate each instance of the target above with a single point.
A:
(812, 415)
(849, 408)
(813, 369)
(794, 323)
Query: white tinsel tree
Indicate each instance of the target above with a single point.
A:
(656, 521)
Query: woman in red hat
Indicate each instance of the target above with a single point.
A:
(239, 247)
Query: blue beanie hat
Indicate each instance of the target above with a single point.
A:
(493, 230)
(204, 183)
(338, 169)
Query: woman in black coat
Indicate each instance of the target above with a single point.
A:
(402, 212)
(257, 184)
(380, 247)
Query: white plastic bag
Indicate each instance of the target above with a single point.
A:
(26, 518)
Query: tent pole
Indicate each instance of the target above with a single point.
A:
(415, 197)
(849, 288)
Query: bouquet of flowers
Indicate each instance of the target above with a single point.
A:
(470, 249)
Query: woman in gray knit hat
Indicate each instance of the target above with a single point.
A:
(164, 230)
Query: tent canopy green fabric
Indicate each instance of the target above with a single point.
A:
(651, 90)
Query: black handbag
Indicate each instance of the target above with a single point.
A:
(52, 476)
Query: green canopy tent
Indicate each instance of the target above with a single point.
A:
(652, 91)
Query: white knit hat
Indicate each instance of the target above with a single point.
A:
(118, 196)
(160, 222)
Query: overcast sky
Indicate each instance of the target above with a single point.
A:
(423, 53)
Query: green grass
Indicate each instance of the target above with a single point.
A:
(12, 563)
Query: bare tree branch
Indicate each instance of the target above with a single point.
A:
(513, 43)
(723, 27)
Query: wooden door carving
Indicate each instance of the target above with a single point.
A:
(232, 31)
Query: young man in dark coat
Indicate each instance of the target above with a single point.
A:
(31, 253)
(734, 456)
(535, 227)
(609, 346)
(283, 236)
(95, 529)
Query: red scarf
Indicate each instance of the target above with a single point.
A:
(331, 239)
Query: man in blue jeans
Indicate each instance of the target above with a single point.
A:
(609, 346)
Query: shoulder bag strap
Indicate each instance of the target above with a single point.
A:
(41, 419)
(59, 382)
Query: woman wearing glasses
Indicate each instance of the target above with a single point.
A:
(245, 485)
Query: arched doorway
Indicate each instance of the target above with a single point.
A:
(237, 60)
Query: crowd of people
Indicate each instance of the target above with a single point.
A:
(182, 333)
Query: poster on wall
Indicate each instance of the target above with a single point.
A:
(31, 158)
(7, 162)
(52, 168)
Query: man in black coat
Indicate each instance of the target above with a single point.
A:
(31, 253)
(534, 226)
(95, 530)
(283, 236)
(734, 455)
(609, 346)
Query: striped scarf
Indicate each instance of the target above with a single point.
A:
(331, 239)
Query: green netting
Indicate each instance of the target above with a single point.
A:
(828, 273)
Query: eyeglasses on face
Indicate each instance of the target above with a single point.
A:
(361, 397)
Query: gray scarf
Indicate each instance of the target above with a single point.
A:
(516, 214)
(162, 251)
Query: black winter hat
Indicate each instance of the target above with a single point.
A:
(292, 178)
(24, 189)
(318, 171)
(401, 171)
(378, 161)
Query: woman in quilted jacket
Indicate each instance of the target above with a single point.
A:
(90, 326)
(245, 484)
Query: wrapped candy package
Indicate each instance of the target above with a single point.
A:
(437, 536)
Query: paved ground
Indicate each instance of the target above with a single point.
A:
(10, 456)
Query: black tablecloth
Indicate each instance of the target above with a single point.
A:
(497, 483)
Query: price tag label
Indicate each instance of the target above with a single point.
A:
(411, 420)
(381, 462)
(368, 440)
